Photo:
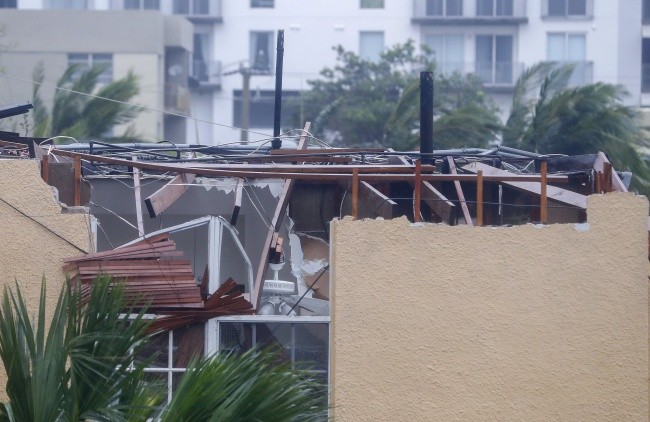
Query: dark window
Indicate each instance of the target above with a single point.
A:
(262, 104)
(262, 3)
(8, 4)
(567, 8)
(505, 7)
(201, 7)
(444, 7)
(372, 4)
(645, 65)
(494, 7)
(142, 4)
(84, 61)
(494, 59)
(261, 47)
(646, 11)
(181, 7)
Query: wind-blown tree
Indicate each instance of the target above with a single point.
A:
(84, 117)
(365, 103)
(84, 364)
(549, 116)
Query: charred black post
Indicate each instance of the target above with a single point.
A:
(426, 115)
(277, 142)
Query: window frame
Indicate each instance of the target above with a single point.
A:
(383, 48)
(495, 9)
(494, 63)
(588, 7)
(372, 4)
(445, 9)
(92, 59)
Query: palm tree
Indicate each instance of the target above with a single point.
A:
(550, 116)
(82, 116)
(84, 364)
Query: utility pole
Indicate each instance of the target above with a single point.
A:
(245, 103)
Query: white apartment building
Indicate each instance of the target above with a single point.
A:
(495, 39)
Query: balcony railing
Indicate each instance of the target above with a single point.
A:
(583, 72)
(471, 11)
(177, 98)
(499, 74)
(198, 10)
(206, 74)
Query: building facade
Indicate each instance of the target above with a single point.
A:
(494, 39)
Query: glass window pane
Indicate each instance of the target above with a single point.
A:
(484, 57)
(201, 7)
(181, 7)
(434, 7)
(106, 62)
(646, 10)
(262, 3)
(371, 45)
(276, 336)
(577, 7)
(555, 48)
(311, 346)
(8, 4)
(556, 7)
(454, 8)
(68, 4)
(152, 4)
(235, 337)
(576, 50)
(131, 4)
(156, 351)
(453, 53)
(503, 56)
(260, 51)
(504, 8)
(484, 7)
(188, 344)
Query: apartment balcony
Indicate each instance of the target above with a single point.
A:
(205, 75)
(495, 76)
(469, 12)
(198, 11)
(583, 73)
(177, 98)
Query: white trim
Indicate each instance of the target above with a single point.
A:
(275, 318)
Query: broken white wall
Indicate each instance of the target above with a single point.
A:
(433, 322)
(37, 234)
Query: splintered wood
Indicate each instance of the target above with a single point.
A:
(154, 274)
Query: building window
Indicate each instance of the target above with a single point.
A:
(301, 343)
(645, 65)
(191, 7)
(444, 7)
(262, 106)
(85, 61)
(494, 7)
(8, 4)
(201, 56)
(169, 353)
(448, 51)
(371, 45)
(260, 52)
(262, 4)
(494, 59)
(567, 8)
(569, 48)
(372, 4)
(142, 4)
(646, 11)
(68, 4)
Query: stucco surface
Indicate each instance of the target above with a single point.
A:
(36, 234)
(432, 322)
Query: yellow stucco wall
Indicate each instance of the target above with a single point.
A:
(531, 323)
(35, 235)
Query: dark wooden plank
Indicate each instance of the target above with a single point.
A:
(543, 196)
(439, 204)
(459, 192)
(164, 197)
(617, 183)
(77, 181)
(355, 194)
(239, 191)
(479, 198)
(417, 192)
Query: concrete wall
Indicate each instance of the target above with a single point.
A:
(37, 235)
(434, 322)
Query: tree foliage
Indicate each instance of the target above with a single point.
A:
(365, 103)
(549, 116)
(84, 364)
(81, 116)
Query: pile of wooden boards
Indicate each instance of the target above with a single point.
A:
(154, 274)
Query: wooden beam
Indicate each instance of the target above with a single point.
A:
(439, 204)
(543, 196)
(417, 192)
(138, 199)
(479, 198)
(297, 151)
(379, 203)
(45, 168)
(276, 223)
(164, 197)
(239, 191)
(355, 194)
(459, 192)
(77, 181)
(298, 174)
(599, 166)
(557, 194)
(607, 175)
